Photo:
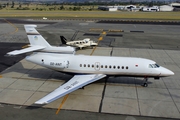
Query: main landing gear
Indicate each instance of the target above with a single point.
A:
(145, 84)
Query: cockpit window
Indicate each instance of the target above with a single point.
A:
(154, 66)
(157, 65)
(150, 66)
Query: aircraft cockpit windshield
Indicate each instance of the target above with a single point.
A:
(154, 65)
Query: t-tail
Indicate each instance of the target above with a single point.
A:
(63, 39)
(39, 44)
(34, 37)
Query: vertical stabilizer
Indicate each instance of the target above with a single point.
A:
(34, 37)
(63, 39)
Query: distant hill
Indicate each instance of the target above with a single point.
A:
(88, 0)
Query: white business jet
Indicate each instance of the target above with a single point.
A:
(86, 69)
(79, 43)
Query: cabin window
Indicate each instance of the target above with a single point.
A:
(97, 66)
(122, 67)
(114, 67)
(84, 65)
(80, 65)
(105, 66)
(118, 67)
(110, 66)
(92, 66)
(88, 65)
(101, 66)
(126, 67)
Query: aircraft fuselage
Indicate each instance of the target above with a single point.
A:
(82, 64)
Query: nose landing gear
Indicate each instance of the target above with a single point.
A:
(145, 84)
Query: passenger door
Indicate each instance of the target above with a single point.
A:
(97, 66)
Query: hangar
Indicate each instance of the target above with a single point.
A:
(176, 6)
(166, 8)
(150, 9)
(108, 8)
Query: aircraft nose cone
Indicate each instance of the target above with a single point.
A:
(171, 73)
(167, 72)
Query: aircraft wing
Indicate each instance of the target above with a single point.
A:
(78, 81)
(29, 49)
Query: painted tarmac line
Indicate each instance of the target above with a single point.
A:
(65, 98)
(13, 26)
(63, 101)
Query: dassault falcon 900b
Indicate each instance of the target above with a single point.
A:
(86, 69)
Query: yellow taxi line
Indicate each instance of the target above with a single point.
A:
(63, 101)
(65, 97)
(94, 48)
(13, 26)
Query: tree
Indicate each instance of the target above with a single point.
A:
(62, 7)
(1, 6)
(7, 4)
(12, 4)
(150, 4)
(70, 8)
(55, 8)
(20, 5)
(74, 8)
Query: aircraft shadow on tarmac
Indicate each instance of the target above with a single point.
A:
(53, 75)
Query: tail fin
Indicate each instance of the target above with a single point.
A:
(34, 37)
(63, 39)
(38, 43)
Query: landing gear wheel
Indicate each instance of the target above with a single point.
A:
(145, 85)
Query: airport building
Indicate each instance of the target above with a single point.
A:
(171, 7)
(150, 9)
(176, 6)
(108, 8)
(166, 8)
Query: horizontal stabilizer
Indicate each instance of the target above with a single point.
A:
(29, 49)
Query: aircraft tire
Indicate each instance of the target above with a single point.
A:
(145, 85)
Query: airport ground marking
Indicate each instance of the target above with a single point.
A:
(63, 101)
(96, 30)
(11, 25)
(0, 76)
(100, 38)
(94, 48)
(65, 97)
(104, 33)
